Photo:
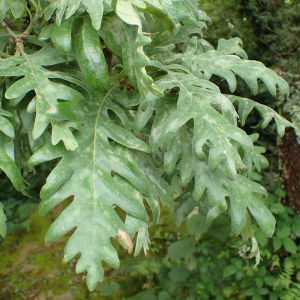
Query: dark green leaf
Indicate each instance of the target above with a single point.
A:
(179, 274)
(229, 270)
(11, 170)
(90, 57)
(110, 290)
(283, 232)
(197, 224)
(180, 249)
(289, 245)
(277, 243)
(61, 35)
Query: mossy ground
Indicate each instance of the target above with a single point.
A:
(30, 269)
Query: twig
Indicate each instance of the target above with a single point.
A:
(19, 46)
(18, 40)
(8, 30)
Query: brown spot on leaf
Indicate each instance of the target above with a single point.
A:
(53, 110)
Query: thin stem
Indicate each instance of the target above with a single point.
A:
(38, 14)
(8, 30)
(29, 13)
(4, 54)
(2, 81)
(34, 4)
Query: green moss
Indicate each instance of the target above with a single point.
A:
(45, 272)
(28, 265)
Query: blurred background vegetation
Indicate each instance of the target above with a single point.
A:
(196, 260)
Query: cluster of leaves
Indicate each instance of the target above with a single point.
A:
(120, 92)
(17, 206)
(204, 262)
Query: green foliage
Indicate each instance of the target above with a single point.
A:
(291, 103)
(206, 264)
(121, 93)
(276, 32)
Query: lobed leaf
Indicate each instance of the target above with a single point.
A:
(213, 62)
(246, 106)
(87, 174)
(241, 197)
(210, 127)
(255, 157)
(162, 67)
(232, 46)
(37, 78)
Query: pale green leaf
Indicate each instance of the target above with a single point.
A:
(186, 205)
(37, 78)
(195, 103)
(185, 11)
(128, 13)
(255, 156)
(67, 8)
(228, 66)
(158, 188)
(135, 60)
(86, 173)
(232, 46)
(242, 198)
(267, 113)
(111, 32)
(17, 7)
